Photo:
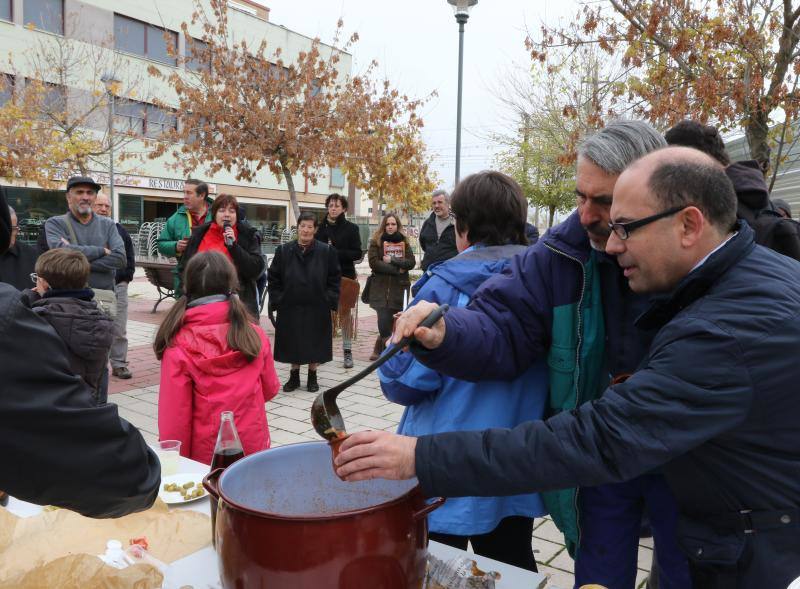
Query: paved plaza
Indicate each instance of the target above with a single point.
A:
(363, 407)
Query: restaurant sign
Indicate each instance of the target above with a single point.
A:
(175, 184)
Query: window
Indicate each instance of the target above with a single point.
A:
(5, 10)
(47, 15)
(337, 178)
(54, 98)
(197, 57)
(158, 121)
(138, 118)
(130, 116)
(144, 39)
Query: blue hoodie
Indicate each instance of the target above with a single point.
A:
(437, 403)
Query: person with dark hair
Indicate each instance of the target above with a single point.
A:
(490, 228)
(234, 239)
(63, 299)
(390, 258)
(303, 287)
(752, 194)
(59, 447)
(706, 138)
(337, 231)
(713, 404)
(195, 211)
(437, 237)
(17, 263)
(214, 358)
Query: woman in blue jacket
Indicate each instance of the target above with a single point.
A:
(490, 228)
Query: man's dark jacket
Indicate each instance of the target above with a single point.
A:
(715, 404)
(246, 255)
(343, 236)
(752, 197)
(436, 248)
(17, 264)
(126, 274)
(58, 447)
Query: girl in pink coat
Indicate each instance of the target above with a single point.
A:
(213, 359)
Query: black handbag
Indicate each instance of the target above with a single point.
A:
(365, 292)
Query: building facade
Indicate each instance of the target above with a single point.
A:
(128, 36)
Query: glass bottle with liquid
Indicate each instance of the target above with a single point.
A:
(227, 451)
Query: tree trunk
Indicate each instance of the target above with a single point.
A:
(552, 216)
(292, 195)
(756, 133)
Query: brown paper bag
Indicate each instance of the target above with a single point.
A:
(82, 571)
(30, 543)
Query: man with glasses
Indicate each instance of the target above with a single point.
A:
(714, 402)
(18, 262)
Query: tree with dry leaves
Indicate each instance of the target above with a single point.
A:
(399, 176)
(735, 63)
(246, 108)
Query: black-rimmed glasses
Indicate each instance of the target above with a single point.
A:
(624, 230)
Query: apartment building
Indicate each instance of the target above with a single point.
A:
(136, 34)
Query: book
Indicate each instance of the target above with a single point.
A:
(395, 250)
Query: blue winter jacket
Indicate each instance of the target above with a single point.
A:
(437, 403)
(715, 402)
(547, 304)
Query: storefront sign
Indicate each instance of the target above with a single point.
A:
(145, 182)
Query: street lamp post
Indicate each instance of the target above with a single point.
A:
(110, 81)
(461, 9)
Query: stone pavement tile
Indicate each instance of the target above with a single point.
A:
(545, 551)
(291, 425)
(547, 530)
(562, 561)
(557, 578)
(648, 542)
(645, 557)
(122, 399)
(370, 398)
(146, 395)
(280, 437)
(147, 409)
(291, 412)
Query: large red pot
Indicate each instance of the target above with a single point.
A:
(286, 521)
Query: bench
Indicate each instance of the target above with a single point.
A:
(160, 275)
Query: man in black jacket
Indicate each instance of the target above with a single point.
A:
(437, 238)
(337, 231)
(58, 448)
(122, 277)
(713, 404)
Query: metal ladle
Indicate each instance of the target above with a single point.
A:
(325, 415)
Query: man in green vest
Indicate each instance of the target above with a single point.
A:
(196, 210)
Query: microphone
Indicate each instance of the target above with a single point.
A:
(228, 240)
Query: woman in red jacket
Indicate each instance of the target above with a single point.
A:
(213, 359)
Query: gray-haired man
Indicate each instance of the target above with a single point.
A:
(437, 238)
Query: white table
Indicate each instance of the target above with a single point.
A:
(200, 569)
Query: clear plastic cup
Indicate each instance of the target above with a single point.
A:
(168, 452)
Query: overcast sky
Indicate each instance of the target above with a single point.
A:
(416, 45)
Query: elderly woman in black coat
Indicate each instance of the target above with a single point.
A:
(303, 286)
(236, 240)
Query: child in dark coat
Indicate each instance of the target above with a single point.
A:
(63, 299)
